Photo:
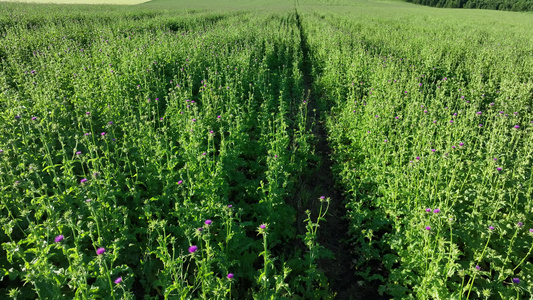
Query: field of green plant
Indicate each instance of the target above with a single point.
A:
(265, 150)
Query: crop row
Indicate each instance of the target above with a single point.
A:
(432, 132)
(148, 154)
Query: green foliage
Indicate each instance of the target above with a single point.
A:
(428, 114)
(126, 129)
(143, 148)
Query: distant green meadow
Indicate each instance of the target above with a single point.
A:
(111, 2)
(265, 150)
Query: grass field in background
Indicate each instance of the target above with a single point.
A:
(100, 2)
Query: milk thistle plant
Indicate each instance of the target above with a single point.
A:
(168, 153)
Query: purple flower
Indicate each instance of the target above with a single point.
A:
(59, 238)
(418, 158)
(531, 230)
(34, 118)
(516, 126)
(230, 206)
(461, 144)
(194, 120)
(103, 133)
(262, 226)
(428, 227)
(118, 280)
(180, 181)
(491, 104)
(436, 211)
(87, 113)
(428, 209)
(208, 222)
(100, 251)
(88, 133)
(17, 117)
(193, 249)
(218, 117)
(480, 125)
(520, 224)
(451, 121)
(479, 113)
(83, 180)
(432, 150)
(516, 280)
(498, 168)
(111, 122)
(495, 158)
(478, 267)
(491, 227)
(230, 276)
(78, 152)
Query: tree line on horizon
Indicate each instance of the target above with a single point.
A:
(509, 5)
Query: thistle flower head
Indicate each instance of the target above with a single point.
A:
(193, 249)
(100, 251)
(59, 238)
